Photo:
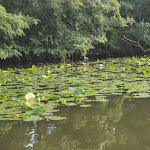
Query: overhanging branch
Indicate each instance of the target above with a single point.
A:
(137, 44)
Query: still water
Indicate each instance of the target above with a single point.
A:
(120, 124)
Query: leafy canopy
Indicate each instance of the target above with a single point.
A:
(66, 27)
(12, 25)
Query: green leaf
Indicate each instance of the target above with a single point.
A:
(38, 111)
(71, 104)
(55, 117)
(33, 118)
(86, 105)
(77, 91)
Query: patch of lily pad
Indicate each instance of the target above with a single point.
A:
(37, 92)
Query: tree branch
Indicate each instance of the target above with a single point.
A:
(137, 44)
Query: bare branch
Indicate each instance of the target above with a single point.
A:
(137, 44)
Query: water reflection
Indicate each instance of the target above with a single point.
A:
(119, 124)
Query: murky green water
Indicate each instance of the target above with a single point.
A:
(120, 124)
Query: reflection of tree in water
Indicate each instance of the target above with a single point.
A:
(104, 126)
(86, 128)
(5, 126)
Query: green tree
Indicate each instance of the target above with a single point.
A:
(136, 39)
(67, 26)
(139, 34)
(11, 26)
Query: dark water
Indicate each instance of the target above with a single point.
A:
(120, 124)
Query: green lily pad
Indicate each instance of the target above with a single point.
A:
(86, 105)
(33, 118)
(51, 110)
(141, 95)
(102, 100)
(3, 118)
(55, 117)
(71, 104)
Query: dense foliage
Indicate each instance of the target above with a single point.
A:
(136, 38)
(12, 25)
(68, 27)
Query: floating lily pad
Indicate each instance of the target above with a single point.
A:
(55, 117)
(3, 118)
(86, 105)
(51, 110)
(33, 118)
(71, 104)
(102, 100)
(141, 95)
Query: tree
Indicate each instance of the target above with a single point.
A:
(136, 39)
(139, 34)
(12, 25)
(67, 26)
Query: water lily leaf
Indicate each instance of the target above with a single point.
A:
(78, 97)
(77, 91)
(100, 96)
(51, 110)
(145, 72)
(3, 118)
(53, 97)
(38, 111)
(33, 118)
(90, 91)
(9, 69)
(34, 67)
(74, 69)
(16, 118)
(47, 114)
(86, 105)
(102, 100)
(55, 117)
(52, 66)
(71, 104)
(116, 93)
(147, 68)
(141, 95)
(29, 70)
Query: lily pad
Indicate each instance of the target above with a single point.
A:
(86, 105)
(71, 104)
(33, 118)
(141, 95)
(51, 110)
(102, 100)
(55, 117)
(3, 118)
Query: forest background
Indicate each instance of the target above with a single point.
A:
(44, 30)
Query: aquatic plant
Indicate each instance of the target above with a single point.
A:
(53, 86)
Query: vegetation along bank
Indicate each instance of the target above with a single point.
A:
(73, 29)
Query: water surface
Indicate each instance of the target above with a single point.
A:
(120, 124)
